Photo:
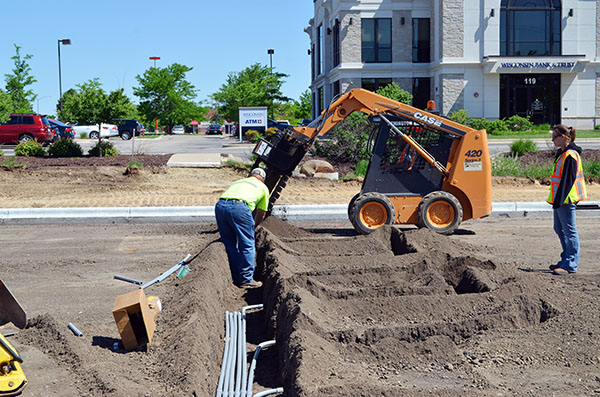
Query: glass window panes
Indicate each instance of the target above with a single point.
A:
(376, 40)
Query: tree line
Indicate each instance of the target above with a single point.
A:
(165, 94)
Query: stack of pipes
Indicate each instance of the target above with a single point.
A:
(235, 380)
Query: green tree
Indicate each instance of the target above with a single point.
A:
(166, 95)
(18, 81)
(393, 91)
(302, 108)
(256, 85)
(5, 106)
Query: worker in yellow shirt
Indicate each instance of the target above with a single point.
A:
(236, 224)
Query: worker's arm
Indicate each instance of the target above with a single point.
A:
(259, 216)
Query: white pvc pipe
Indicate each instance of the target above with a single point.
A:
(279, 390)
(225, 355)
(240, 351)
(253, 365)
(232, 354)
(245, 353)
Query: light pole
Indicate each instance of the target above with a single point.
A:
(63, 42)
(271, 51)
(38, 103)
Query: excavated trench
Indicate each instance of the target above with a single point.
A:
(355, 315)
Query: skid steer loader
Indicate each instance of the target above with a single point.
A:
(424, 169)
(12, 378)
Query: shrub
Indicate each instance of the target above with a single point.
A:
(84, 135)
(591, 168)
(11, 163)
(478, 124)
(253, 135)
(361, 167)
(496, 127)
(135, 164)
(65, 148)
(460, 116)
(520, 147)
(393, 91)
(1, 153)
(30, 149)
(542, 127)
(107, 150)
(518, 123)
(271, 131)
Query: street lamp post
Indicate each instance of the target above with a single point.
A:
(38, 103)
(271, 51)
(63, 42)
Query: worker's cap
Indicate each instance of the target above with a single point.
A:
(259, 172)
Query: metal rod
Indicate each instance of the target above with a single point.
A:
(129, 280)
(75, 330)
(253, 365)
(279, 390)
(167, 273)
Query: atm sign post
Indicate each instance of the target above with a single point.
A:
(252, 118)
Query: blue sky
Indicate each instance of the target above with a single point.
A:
(112, 40)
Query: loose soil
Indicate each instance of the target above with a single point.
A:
(401, 312)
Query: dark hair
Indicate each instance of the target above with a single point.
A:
(562, 129)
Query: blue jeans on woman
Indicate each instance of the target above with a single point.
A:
(236, 227)
(566, 230)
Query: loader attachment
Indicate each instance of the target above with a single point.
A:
(12, 378)
(10, 310)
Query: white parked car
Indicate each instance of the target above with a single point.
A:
(178, 129)
(106, 130)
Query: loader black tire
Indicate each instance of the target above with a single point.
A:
(351, 204)
(371, 211)
(440, 212)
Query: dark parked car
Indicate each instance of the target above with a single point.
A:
(280, 125)
(305, 122)
(26, 127)
(214, 129)
(127, 127)
(62, 130)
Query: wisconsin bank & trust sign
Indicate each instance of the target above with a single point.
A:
(542, 65)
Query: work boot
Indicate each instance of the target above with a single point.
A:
(559, 271)
(251, 284)
(552, 267)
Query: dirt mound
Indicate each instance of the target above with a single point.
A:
(379, 313)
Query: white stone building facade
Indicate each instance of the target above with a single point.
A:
(495, 58)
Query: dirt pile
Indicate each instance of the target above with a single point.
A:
(409, 314)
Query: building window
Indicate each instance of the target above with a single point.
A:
(376, 40)
(530, 28)
(336, 43)
(312, 61)
(321, 100)
(319, 50)
(421, 91)
(375, 84)
(335, 88)
(314, 105)
(421, 40)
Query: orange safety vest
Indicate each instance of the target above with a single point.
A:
(578, 191)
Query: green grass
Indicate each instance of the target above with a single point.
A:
(510, 166)
(11, 163)
(581, 134)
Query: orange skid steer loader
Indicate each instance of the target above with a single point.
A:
(424, 169)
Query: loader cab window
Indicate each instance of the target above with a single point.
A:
(400, 156)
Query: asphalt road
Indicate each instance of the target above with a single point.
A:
(230, 145)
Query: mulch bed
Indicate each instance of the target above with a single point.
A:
(147, 160)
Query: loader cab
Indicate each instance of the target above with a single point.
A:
(395, 168)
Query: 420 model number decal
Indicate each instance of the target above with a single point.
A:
(473, 153)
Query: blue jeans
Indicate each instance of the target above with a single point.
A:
(236, 227)
(566, 230)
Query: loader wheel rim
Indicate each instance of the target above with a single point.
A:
(373, 214)
(441, 214)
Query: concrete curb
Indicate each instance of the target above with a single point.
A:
(325, 212)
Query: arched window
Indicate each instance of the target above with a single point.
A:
(530, 27)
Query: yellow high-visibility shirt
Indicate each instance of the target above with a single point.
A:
(254, 192)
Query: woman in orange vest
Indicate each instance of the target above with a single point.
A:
(567, 187)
